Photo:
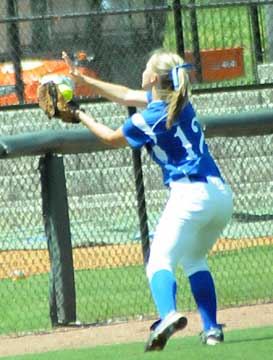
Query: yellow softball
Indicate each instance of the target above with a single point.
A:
(66, 91)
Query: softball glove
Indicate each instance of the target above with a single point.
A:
(53, 104)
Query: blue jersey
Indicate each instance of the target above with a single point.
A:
(180, 151)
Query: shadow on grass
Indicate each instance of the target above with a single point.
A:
(248, 339)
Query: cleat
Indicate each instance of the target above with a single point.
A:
(163, 330)
(154, 325)
(212, 336)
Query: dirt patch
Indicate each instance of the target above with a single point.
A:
(30, 262)
(132, 331)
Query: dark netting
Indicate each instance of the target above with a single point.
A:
(230, 44)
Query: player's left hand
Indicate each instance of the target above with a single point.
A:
(53, 104)
(77, 76)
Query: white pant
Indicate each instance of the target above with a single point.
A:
(193, 218)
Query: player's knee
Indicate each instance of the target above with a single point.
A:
(155, 266)
(191, 267)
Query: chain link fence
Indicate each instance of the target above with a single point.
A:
(227, 44)
(105, 233)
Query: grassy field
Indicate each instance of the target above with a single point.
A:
(250, 344)
(122, 293)
(218, 28)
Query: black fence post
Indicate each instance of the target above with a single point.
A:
(15, 49)
(141, 203)
(254, 16)
(62, 298)
(195, 42)
(178, 27)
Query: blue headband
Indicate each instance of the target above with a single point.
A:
(173, 74)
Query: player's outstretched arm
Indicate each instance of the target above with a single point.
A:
(113, 92)
(114, 138)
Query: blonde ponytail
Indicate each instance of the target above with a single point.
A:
(178, 98)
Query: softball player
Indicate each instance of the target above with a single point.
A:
(200, 202)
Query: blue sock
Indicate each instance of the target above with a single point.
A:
(163, 288)
(203, 290)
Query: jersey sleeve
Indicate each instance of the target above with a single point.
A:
(134, 132)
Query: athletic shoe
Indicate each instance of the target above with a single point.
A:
(155, 324)
(212, 336)
(161, 333)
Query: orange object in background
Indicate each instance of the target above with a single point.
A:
(219, 64)
(216, 65)
(32, 70)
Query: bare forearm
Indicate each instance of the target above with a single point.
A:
(100, 130)
(113, 92)
(117, 93)
(105, 134)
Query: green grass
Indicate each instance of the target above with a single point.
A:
(24, 304)
(250, 344)
(120, 293)
(225, 27)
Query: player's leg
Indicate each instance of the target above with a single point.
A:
(177, 236)
(204, 293)
(163, 289)
(189, 209)
(176, 232)
(194, 264)
(160, 272)
(201, 281)
(203, 290)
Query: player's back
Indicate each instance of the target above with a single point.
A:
(180, 150)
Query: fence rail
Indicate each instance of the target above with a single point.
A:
(78, 141)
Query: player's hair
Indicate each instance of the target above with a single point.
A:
(162, 62)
